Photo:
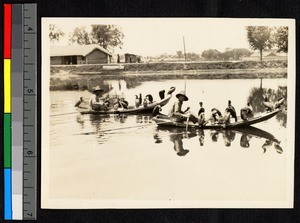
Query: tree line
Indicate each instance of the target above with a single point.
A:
(232, 54)
(106, 36)
(111, 36)
(264, 37)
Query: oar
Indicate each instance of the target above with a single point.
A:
(187, 123)
(68, 113)
(127, 127)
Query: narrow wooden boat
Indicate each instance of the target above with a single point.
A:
(131, 109)
(163, 120)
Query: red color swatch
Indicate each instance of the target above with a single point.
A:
(7, 31)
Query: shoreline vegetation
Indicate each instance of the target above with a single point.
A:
(80, 77)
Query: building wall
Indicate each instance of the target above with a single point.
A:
(56, 60)
(132, 58)
(80, 60)
(97, 57)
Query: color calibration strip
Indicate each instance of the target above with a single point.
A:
(20, 111)
(7, 113)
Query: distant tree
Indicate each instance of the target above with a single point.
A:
(259, 38)
(192, 56)
(281, 39)
(80, 36)
(55, 33)
(227, 55)
(211, 54)
(240, 52)
(107, 36)
(179, 54)
(163, 56)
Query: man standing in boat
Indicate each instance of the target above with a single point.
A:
(176, 110)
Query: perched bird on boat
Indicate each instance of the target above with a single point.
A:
(141, 99)
(215, 115)
(172, 89)
(148, 100)
(201, 110)
(247, 112)
(162, 94)
(279, 102)
(156, 110)
(79, 102)
(137, 101)
(201, 115)
(232, 111)
(272, 106)
(269, 105)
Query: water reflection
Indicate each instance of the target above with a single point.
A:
(214, 135)
(120, 118)
(245, 140)
(257, 96)
(143, 118)
(271, 144)
(228, 137)
(157, 138)
(176, 137)
(244, 135)
(110, 123)
(201, 136)
(270, 140)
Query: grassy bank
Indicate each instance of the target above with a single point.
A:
(70, 81)
(147, 67)
(206, 65)
(81, 77)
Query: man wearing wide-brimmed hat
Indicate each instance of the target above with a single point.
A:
(176, 110)
(96, 103)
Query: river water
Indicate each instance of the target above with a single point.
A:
(127, 157)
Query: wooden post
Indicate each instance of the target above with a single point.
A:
(260, 83)
(184, 49)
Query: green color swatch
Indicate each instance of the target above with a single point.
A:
(7, 140)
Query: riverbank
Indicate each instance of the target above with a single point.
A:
(174, 66)
(81, 77)
(73, 81)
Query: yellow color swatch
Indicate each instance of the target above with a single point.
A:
(7, 86)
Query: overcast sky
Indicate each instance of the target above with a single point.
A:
(155, 36)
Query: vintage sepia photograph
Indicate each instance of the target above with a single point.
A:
(168, 113)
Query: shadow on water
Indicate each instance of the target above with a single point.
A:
(107, 124)
(257, 96)
(245, 135)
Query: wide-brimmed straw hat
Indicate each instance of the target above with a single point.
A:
(97, 88)
(182, 93)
